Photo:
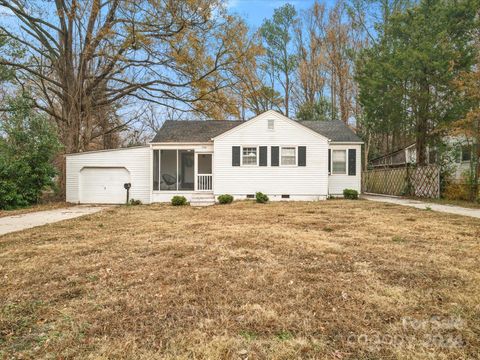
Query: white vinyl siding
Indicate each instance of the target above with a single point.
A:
(136, 161)
(308, 182)
(338, 182)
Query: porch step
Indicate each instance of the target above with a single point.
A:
(202, 199)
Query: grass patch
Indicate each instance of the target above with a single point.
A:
(240, 280)
(249, 335)
(284, 336)
(398, 239)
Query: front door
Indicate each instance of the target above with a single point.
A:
(204, 172)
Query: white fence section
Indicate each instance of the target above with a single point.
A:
(204, 182)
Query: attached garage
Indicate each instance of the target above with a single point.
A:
(98, 177)
(103, 185)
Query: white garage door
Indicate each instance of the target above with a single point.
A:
(103, 185)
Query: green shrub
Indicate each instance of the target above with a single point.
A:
(178, 200)
(28, 146)
(261, 197)
(350, 194)
(135, 202)
(225, 199)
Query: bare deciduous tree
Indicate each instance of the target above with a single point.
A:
(84, 57)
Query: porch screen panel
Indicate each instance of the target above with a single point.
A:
(168, 169)
(186, 170)
(156, 174)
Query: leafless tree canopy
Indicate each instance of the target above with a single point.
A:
(85, 57)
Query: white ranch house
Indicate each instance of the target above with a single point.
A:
(283, 158)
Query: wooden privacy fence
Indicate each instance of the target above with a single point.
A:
(421, 181)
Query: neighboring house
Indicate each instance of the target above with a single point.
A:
(400, 157)
(283, 158)
(459, 153)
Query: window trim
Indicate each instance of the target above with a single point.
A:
(256, 157)
(333, 172)
(280, 155)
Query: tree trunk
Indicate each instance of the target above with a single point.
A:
(422, 122)
(476, 179)
(420, 142)
(287, 91)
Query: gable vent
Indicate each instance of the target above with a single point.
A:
(271, 124)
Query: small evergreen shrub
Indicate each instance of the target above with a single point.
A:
(350, 194)
(225, 199)
(135, 202)
(261, 197)
(178, 200)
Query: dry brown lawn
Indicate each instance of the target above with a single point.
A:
(321, 280)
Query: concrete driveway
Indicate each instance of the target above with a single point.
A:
(13, 223)
(451, 209)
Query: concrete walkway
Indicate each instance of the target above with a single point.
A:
(13, 223)
(451, 209)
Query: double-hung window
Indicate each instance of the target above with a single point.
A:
(339, 162)
(249, 156)
(288, 156)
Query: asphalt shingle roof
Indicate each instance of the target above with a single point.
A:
(204, 131)
(193, 131)
(335, 130)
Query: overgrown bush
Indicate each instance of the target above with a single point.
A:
(178, 200)
(261, 197)
(225, 199)
(350, 194)
(28, 145)
(456, 191)
(135, 202)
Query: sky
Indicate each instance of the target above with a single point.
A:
(255, 11)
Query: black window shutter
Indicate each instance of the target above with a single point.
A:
(352, 161)
(329, 161)
(235, 155)
(302, 156)
(274, 160)
(263, 156)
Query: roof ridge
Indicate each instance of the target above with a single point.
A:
(206, 130)
(209, 120)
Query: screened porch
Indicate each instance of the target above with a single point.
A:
(182, 170)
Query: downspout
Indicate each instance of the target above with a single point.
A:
(150, 173)
(328, 173)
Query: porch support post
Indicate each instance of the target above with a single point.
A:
(195, 170)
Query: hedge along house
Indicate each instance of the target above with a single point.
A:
(283, 158)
